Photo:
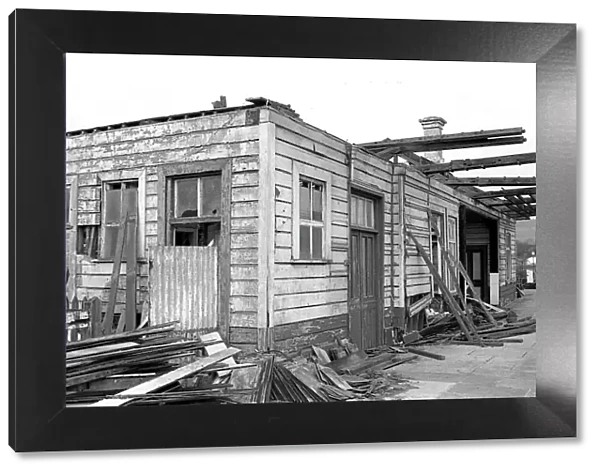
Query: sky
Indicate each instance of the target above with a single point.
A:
(356, 100)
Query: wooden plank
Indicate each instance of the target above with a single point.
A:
(481, 163)
(427, 354)
(130, 301)
(115, 347)
(114, 282)
(490, 181)
(504, 193)
(167, 379)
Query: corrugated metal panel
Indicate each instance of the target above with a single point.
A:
(183, 287)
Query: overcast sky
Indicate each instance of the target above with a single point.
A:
(357, 100)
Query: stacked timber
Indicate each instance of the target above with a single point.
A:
(148, 366)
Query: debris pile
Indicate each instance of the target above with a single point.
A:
(444, 327)
(148, 366)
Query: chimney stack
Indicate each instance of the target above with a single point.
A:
(433, 126)
(221, 103)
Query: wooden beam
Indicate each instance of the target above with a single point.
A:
(482, 163)
(490, 181)
(440, 146)
(468, 135)
(504, 193)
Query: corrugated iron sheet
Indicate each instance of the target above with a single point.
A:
(183, 287)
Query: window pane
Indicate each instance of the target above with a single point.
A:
(317, 202)
(113, 206)
(305, 200)
(360, 217)
(355, 266)
(476, 266)
(110, 241)
(304, 242)
(67, 200)
(354, 210)
(211, 195)
(186, 198)
(452, 229)
(317, 242)
(369, 217)
(130, 201)
(209, 234)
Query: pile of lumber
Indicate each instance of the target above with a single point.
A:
(447, 330)
(148, 366)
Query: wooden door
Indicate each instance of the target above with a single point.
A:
(477, 268)
(364, 291)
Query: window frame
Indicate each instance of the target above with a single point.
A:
(168, 173)
(110, 177)
(103, 223)
(309, 173)
(443, 244)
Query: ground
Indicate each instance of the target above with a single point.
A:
(474, 372)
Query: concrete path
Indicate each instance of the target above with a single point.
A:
(474, 372)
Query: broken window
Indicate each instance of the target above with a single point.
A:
(311, 219)
(87, 240)
(195, 215)
(120, 199)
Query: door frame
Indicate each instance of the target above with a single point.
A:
(378, 199)
(485, 269)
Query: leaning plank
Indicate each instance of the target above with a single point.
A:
(130, 281)
(445, 291)
(168, 378)
(216, 346)
(114, 279)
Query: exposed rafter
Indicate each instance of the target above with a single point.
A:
(481, 163)
(505, 136)
(490, 181)
(504, 192)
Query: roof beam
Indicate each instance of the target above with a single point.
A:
(504, 193)
(482, 163)
(490, 181)
(448, 137)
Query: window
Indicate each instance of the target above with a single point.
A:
(311, 219)
(452, 238)
(363, 212)
(311, 214)
(120, 199)
(87, 240)
(68, 206)
(195, 210)
(508, 241)
(437, 240)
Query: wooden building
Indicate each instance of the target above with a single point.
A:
(276, 233)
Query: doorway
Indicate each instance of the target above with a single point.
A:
(477, 268)
(366, 272)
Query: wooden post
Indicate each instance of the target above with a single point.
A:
(114, 280)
